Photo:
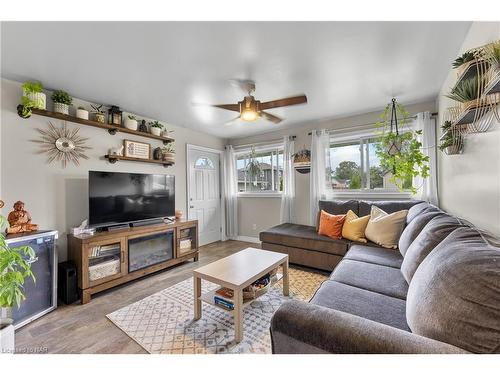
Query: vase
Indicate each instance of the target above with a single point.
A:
(82, 113)
(61, 108)
(130, 124)
(38, 98)
(156, 131)
(168, 157)
(99, 117)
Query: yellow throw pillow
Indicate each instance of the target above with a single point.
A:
(385, 229)
(354, 227)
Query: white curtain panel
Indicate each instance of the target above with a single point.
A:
(427, 188)
(287, 214)
(231, 191)
(320, 182)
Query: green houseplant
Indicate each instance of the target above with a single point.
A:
(155, 127)
(492, 55)
(168, 152)
(400, 152)
(14, 269)
(62, 100)
(465, 91)
(131, 122)
(34, 92)
(25, 109)
(253, 168)
(463, 59)
(451, 142)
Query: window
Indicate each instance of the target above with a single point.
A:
(204, 163)
(355, 166)
(260, 171)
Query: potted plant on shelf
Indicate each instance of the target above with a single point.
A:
(168, 153)
(99, 114)
(155, 127)
(82, 113)
(34, 92)
(451, 142)
(399, 149)
(15, 267)
(25, 108)
(467, 92)
(131, 122)
(62, 100)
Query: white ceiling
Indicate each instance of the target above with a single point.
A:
(158, 69)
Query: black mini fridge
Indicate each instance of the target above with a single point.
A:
(41, 296)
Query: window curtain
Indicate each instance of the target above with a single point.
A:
(320, 182)
(427, 188)
(288, 194)
(231, 193)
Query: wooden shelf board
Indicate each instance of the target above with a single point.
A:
(109, 128)
(468, 115)
(115, 158)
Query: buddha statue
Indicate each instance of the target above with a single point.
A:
(20, 220)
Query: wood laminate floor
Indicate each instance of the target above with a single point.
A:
(85, 329)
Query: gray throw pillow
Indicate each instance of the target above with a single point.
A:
(454, 295)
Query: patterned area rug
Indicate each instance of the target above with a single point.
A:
(163, 322)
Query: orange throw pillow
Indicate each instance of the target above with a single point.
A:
(331, 225)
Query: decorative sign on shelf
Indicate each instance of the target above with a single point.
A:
(134, 149)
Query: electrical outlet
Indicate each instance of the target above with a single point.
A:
(254, 226)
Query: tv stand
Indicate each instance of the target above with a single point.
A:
(107, 258)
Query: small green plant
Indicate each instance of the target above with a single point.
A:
(132, 117)
(32, 87)
(25, 109)
(466, 90)
(449, 138)
(492, 54)
(97, 108)
(169, 148)
(409, 162)
(60, 96)
(464, 58)
(14, 269)
(155, 124)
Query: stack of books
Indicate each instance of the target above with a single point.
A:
(224, 297)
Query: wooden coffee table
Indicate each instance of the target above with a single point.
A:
(236, 272)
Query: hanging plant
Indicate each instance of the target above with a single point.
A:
(253, 166)
(399, 149)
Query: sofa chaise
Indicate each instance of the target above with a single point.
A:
(438, 293)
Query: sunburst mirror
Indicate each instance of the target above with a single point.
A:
(62, 144)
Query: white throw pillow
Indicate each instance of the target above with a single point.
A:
(385, 229)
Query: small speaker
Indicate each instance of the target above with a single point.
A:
(67, 283)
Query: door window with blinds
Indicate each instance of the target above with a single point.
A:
(260, 170)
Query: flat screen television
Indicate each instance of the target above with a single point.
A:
(119, 198)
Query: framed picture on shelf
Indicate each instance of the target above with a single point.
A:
(134, 149)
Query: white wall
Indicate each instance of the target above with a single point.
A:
(57, 197)
(469, 184)
(265, 212)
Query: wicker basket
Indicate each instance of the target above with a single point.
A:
(104, 269)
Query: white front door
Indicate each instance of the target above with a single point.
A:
(204, 200)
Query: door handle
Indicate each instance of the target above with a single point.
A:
(191, 206)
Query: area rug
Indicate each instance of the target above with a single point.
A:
(163, 322)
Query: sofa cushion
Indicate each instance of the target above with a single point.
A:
(384, 228)
(376, 255)
(416, 210)
(429, 237)
(413, 229)
(331, 225)
(303, 237)
(373, 277)
(336, 207)
(454, 295)
(369, 305)
(365, 207)
(354, 227)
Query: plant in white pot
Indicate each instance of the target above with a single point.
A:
(15, 267)
(62, 100)
(168, 153)
(131, 122)
(34, 92)
(82, 113)
(155, 127)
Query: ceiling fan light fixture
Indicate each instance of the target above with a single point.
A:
(248, 114)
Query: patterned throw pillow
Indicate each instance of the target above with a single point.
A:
(354, 227)
(385, 229)
(331, 225)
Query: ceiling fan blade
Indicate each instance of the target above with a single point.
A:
(229, 107)
(294, 100)
(271, 117)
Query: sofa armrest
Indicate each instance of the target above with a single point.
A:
(300, 327)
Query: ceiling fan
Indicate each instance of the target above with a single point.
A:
(251, 109)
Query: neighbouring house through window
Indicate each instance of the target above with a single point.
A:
(260, 171)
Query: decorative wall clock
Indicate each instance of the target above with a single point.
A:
(62, 144)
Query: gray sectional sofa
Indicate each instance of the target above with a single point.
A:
(438, 293)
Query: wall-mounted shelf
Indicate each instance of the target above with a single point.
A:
(469, 70)
(493, 86)
(110, 128)
(114, 158)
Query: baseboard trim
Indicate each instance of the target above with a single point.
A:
(248, 239)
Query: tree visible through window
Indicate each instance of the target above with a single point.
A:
(260, 171)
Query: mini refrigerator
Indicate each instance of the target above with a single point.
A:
(41, 296)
